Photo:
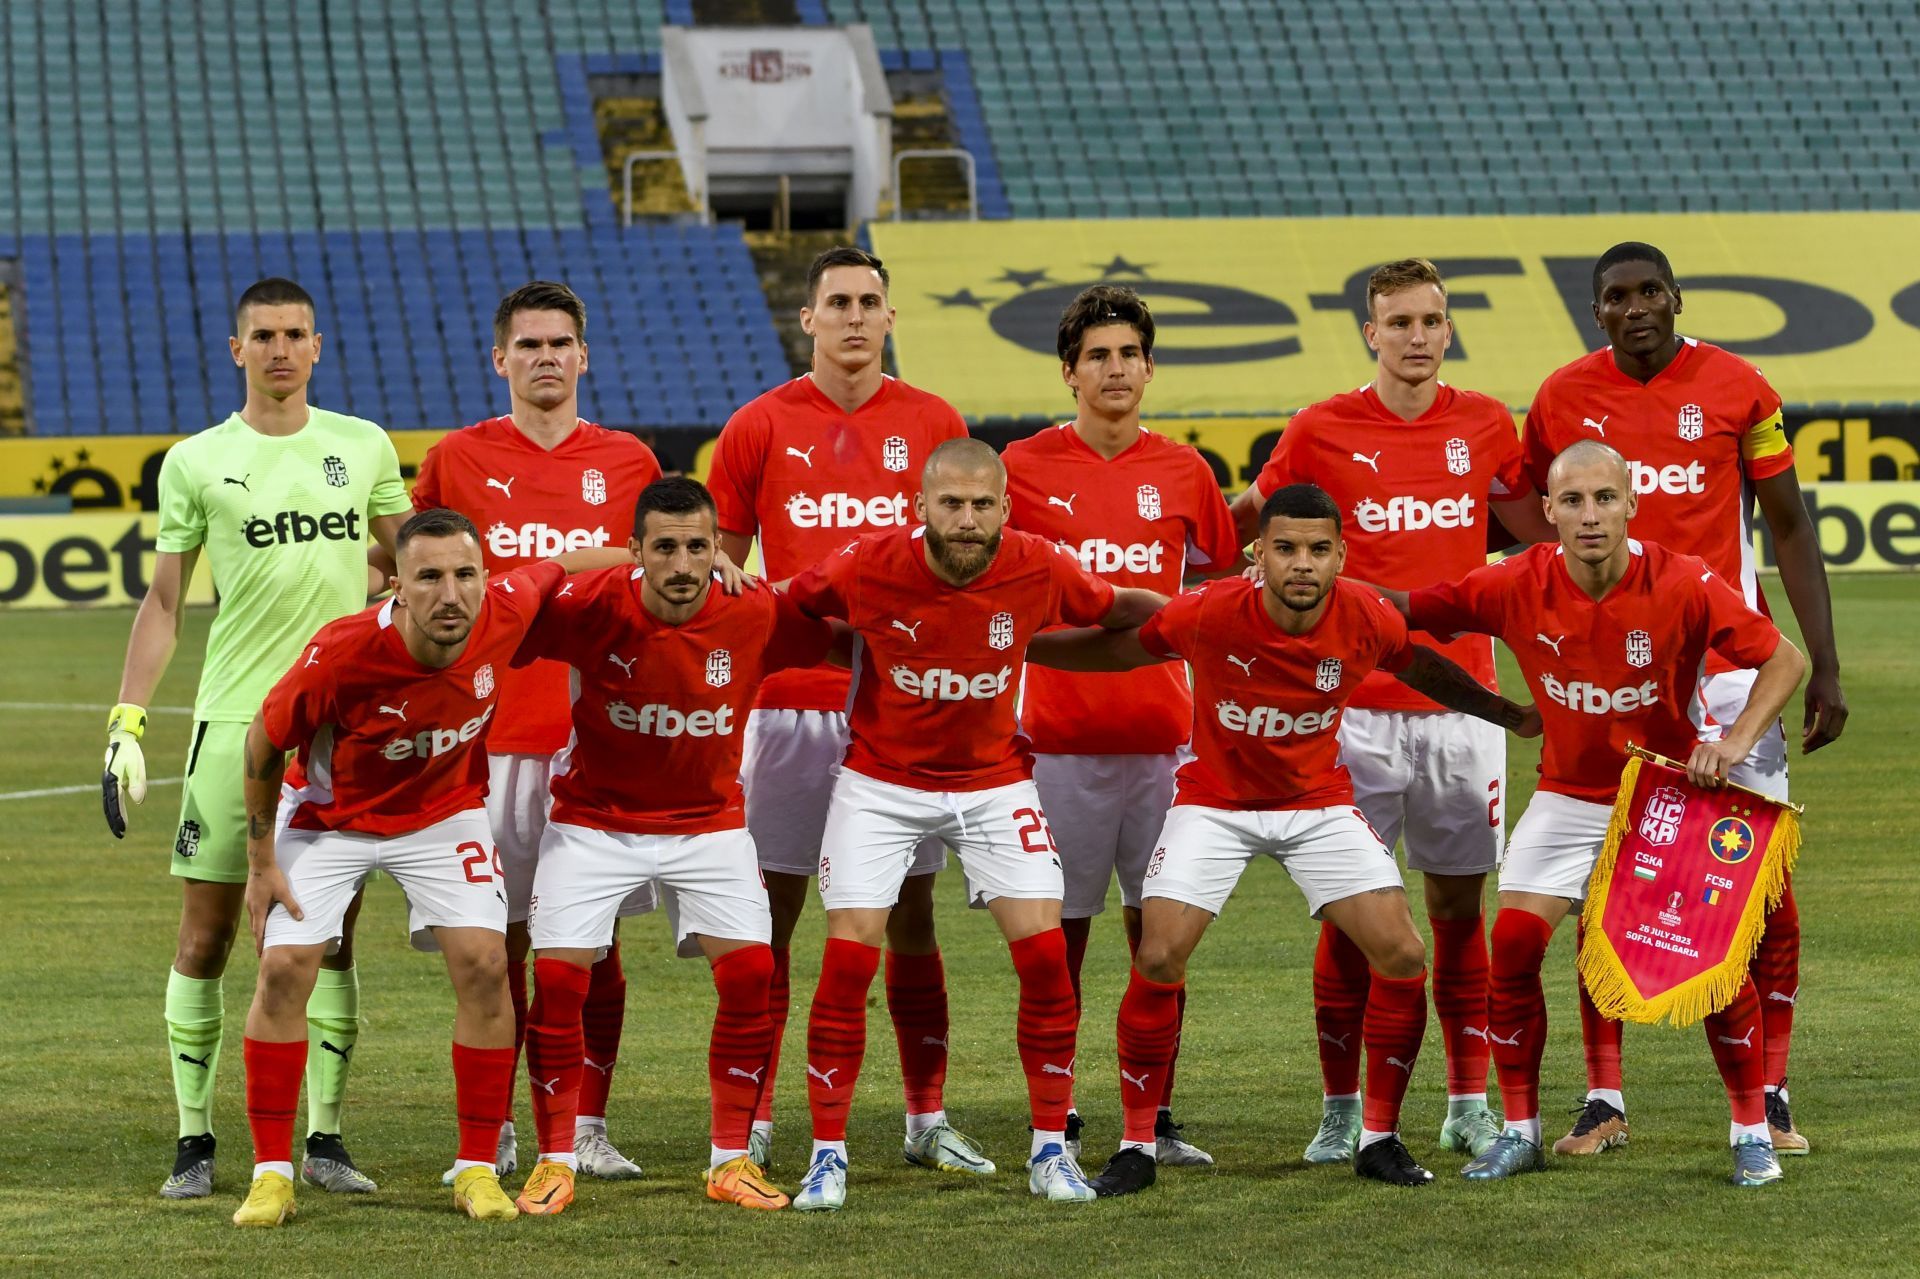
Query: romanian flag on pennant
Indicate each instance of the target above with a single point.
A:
(1673, 938)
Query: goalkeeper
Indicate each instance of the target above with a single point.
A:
(282, 498)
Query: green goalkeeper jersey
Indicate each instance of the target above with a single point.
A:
(284, 521)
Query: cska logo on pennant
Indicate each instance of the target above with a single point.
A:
(893, 455)
(336, 472)
(483, 681)
(1148, 498)
(1326, 676)
(1000, 631)
(720, 667)
(593, 487)
(1692, 422)
(1459, 461)
(1639, 648)
(1660, 823)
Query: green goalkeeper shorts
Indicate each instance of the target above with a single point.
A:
(211, 840)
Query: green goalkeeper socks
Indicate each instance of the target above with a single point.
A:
(195, 1015)
(333, 1027)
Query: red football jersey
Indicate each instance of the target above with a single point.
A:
(1137, 520)
(939, 665)
(1267, 704)
(659, 711)
(1413, 500)
(529, 504)
(1697, 435)
(387, 745)
(804, 476)
(1604, 672)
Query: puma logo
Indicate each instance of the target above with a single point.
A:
(1067, 504)
(313, 655)
(594, 1065)
(1789, 1000)
(1600, 426)
(1338, 1041)
(565, 590)
(1553, 644)
(1048, 1068)
(930, 1042)
(1506, 1043)
(400, 711)
(1745, 1041)
(754, 1076)
(1138, 1081)
(913, 632)
(625, 664)
(806, 456)
(242, 481)
(545, 1085)
(1244, 663)
(344, 1054)
(825, 1077)
(198, 1061)
(1404, 1065)
(1473, 1030)
(506, 488)
(1373, 462)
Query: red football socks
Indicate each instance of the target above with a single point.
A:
(481, 1079)
(1776, 975)
(1600, 1037)
(1460, 1000)
(1173, 1062)
(917, 1001)
(274, 1071)
(555, 1050)
(1396, 1019)
(1046, 1027)
(1734, 1034)
(1149, 1031)
(742, 1040)
(1340, 977)
(517, 991)
(779, 1003)
(1517, 1010)
(837, 1033)
(602, 1018)
(1078, 932)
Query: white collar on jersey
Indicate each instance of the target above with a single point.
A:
(386, 613)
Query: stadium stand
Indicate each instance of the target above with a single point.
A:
(409, 161)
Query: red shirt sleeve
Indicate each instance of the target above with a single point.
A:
(1509, 469)
(426, 481)
(1396, 649)
(1284, 467)
(733, 476)
(1536, 449)
(828, 588)
(1174, 629)
(303, 699)
(796, 639)
(1734, 630)
(1476, 603)
(563, 626)
(525, 590)
(1079, 598)
(1214, 542)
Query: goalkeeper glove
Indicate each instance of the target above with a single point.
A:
(126, 766)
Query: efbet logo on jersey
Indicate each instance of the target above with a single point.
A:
(298, 527)
(1000, 631)
(1639, 648)
(593, 487)
(1660, 823)
(1459, 461)
(893, 454)
(1673, 479)
(1591, 699)
(483, 681)
(187, 842)
(720, 667)
(1098, 555)
(1326, 676)
(336, 472)
(1692, 422)
(429, 742)
(844, 510)
(1147, 499)
(659, 720)
(1730, 841)
(1409, 514)
(1271, 721)
(943, 685)
(541, 541)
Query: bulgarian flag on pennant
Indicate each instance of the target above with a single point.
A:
(1680, 893)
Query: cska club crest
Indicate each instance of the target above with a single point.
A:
(593, 487)
(1000, 631)
(1148, 498)
(893, 455)
(1692, 422)
(1459, 461)
(1660, 823)
(1639, 648)
(720, 667)
(1326, 676)
(187, 842)
(483, 681)
(336, 472)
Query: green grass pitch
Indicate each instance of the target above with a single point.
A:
(87, 1123)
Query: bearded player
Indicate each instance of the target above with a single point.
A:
(541, 481)
(1610, 633)
(828, 456)
(1137, 509)
(389, 710)
(282, 498)
(944, 615)
(1274, 663)
(1702, 429)
(1417, 466)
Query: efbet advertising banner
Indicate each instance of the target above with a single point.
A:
(1263, 316)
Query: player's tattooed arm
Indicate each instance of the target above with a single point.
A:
(1446, 683)
(264, 764)
(1091, 648)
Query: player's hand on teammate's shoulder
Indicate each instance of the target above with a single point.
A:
(1826, 716)
(264, 888)
(733, 579)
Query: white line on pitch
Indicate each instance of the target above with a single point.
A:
(88, 706)
(78, 790)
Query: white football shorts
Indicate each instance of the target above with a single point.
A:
(1106, 812)
(585, 875)
(1331, 854)
(1433, 781)
(518, 801)
(1718, 702)
(1554, 846)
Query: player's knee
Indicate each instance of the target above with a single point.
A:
(203, 948)
(480, 976)
(1160, 962)
(286, 978)
(910, 924)
(1401, 957)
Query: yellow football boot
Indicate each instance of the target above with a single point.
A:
(742, 1181)
(269, 1202)
(548, 1190)
(476, 1192)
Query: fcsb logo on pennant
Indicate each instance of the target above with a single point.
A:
(893, 455)
(1459, 460)
(336, 472)
(1148, 499)
(720, 667)
(1326, 676)
(1692, 422)
(483, 681)
(593, 487)
(1000, 631)
(1660, 823)
(1639, 648)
